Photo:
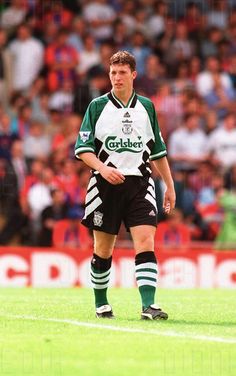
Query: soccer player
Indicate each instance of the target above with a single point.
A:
(119, 136)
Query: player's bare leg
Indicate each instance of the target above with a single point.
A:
(100, 271)
(146, 270)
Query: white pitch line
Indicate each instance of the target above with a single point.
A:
(114, 328)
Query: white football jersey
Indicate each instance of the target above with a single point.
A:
(125, 137)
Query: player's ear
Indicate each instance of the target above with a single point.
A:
(134, 73)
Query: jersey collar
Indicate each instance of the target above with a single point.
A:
(119, 104)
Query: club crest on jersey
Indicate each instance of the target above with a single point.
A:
(127, 128)
(97, 218)
(84, 135)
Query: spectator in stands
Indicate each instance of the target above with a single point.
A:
(194, 68)
(84, 175)
(106, 49)
(77, 33)
(163, 43)
(50, 31)
(20, 123)
(202, 177)
(61, 60)
(39, 197)
(62, 99)
(210, 122)
(18, 163)
(37, 143)
(69, 179)
(12, 218)
(9, 191)
(208, 207)
(194, 20)
(187, 144)
(140, 16)
(89, 56)
(33, 177)
(232, 70)
(5, 70)
(220, 98)
(182, 79)
(148, 82)
(7, 137)
(64, 140)
(37, 87)
(205, 79)
(120, 35)
(156, 22)
(209, 46)
(173, 232)
(222, 143)
(40, 108)
(28, 53)
(169, 108)
(226, 239)
(97, 83)
(140, 50)
(217, 15)
(52, 214)
(57, 14)
(70, 233)
(99, 15)
(232, 37)
(13, 16)
(181, 48)
(127, 15)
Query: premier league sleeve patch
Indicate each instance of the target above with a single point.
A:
(84, 135)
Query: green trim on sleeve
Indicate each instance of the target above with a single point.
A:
(86, 138)
(159, 148)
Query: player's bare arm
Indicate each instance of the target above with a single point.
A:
(169, 196)
(112, 175)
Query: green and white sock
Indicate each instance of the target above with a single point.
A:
(100, 275)
(146, 277)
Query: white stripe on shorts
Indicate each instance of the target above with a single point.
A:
(91, 207)
(91, 194)
(149, 198)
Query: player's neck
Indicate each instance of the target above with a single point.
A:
(125, 96)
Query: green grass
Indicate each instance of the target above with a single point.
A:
(37, 347)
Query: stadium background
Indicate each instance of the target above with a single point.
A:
(54, 58)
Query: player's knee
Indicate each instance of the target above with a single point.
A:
(105, 254)
(103, 249)
(145, 242)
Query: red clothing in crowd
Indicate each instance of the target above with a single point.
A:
(61, 61)
(168, 236)
(74, 236)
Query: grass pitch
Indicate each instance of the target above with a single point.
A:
(53, 332)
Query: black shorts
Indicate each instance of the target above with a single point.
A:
(107, 205)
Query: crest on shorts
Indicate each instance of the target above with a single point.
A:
(84, 135)
(97, 218)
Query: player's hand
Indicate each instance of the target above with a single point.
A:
(112, 175)
(169, 200)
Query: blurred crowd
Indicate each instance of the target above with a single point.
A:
(54, 59)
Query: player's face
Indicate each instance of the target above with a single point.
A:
(121, 77)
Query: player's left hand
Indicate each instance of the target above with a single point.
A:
(169, 200)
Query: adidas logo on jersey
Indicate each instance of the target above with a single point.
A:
(152, 213)
(126, 115)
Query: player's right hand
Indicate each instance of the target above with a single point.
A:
(112, 175)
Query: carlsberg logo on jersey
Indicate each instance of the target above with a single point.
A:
(119, 145)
